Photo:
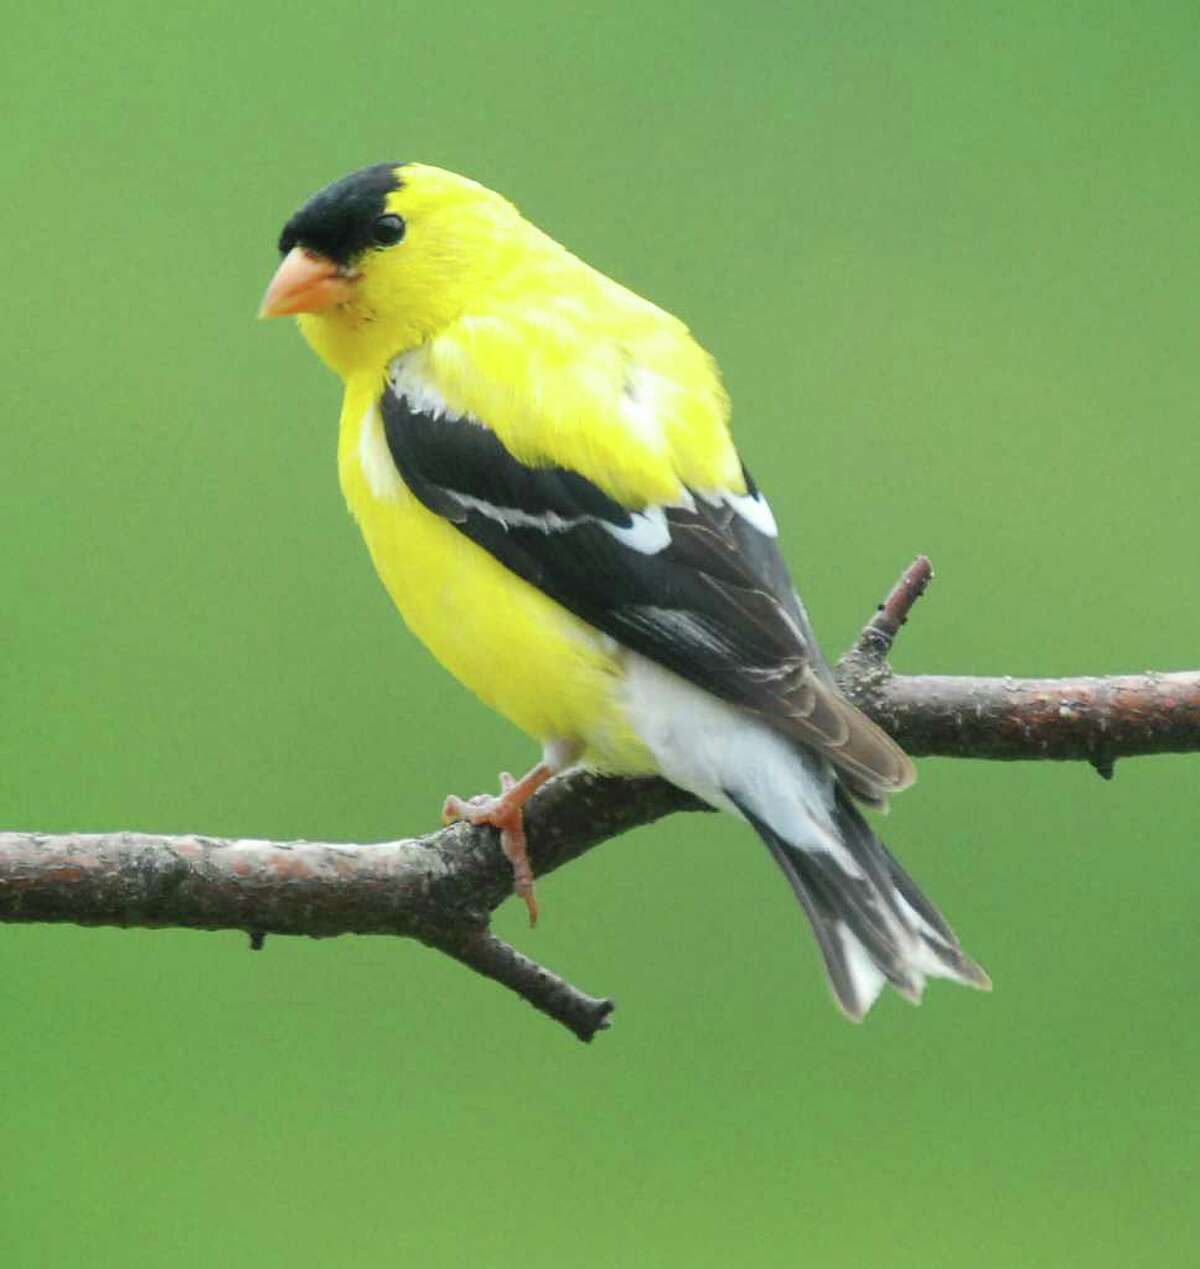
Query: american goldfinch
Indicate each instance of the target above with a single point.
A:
(541, 465)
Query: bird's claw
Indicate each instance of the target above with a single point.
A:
(455, 809)
(506, 814)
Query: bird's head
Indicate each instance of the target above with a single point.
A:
(386, 257)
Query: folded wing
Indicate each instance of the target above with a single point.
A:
(699, 586)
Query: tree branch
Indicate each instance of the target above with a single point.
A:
(1096, 720)
(441, 889)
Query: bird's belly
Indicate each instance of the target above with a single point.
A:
(531, 660)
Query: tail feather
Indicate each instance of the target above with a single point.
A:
(871, 922)
(859, 956)
(916, 912)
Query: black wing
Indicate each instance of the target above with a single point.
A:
(699, 588)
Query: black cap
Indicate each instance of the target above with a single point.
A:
(337, 221)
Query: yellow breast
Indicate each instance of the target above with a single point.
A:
(549, 673)
(567, 368)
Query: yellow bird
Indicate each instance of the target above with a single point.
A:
(541, 465)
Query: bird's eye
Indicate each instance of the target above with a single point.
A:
(387, 230)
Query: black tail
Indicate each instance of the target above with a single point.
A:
(872, 924)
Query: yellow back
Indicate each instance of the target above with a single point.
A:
(507, 327)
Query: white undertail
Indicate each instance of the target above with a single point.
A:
(872, 923)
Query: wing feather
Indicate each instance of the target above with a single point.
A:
(699, 587)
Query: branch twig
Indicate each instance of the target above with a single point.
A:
(878, 635)
(1096, 720)
(441, 889)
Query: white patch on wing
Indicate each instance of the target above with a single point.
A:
(512, 518)
(375, 458)
(752, 508)
(408, 380)
(649, 533)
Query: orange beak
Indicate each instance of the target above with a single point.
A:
(306, 283)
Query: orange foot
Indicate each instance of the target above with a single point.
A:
(507, 813)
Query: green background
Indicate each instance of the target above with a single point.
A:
(947, 257)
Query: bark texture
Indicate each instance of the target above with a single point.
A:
(441, 889)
